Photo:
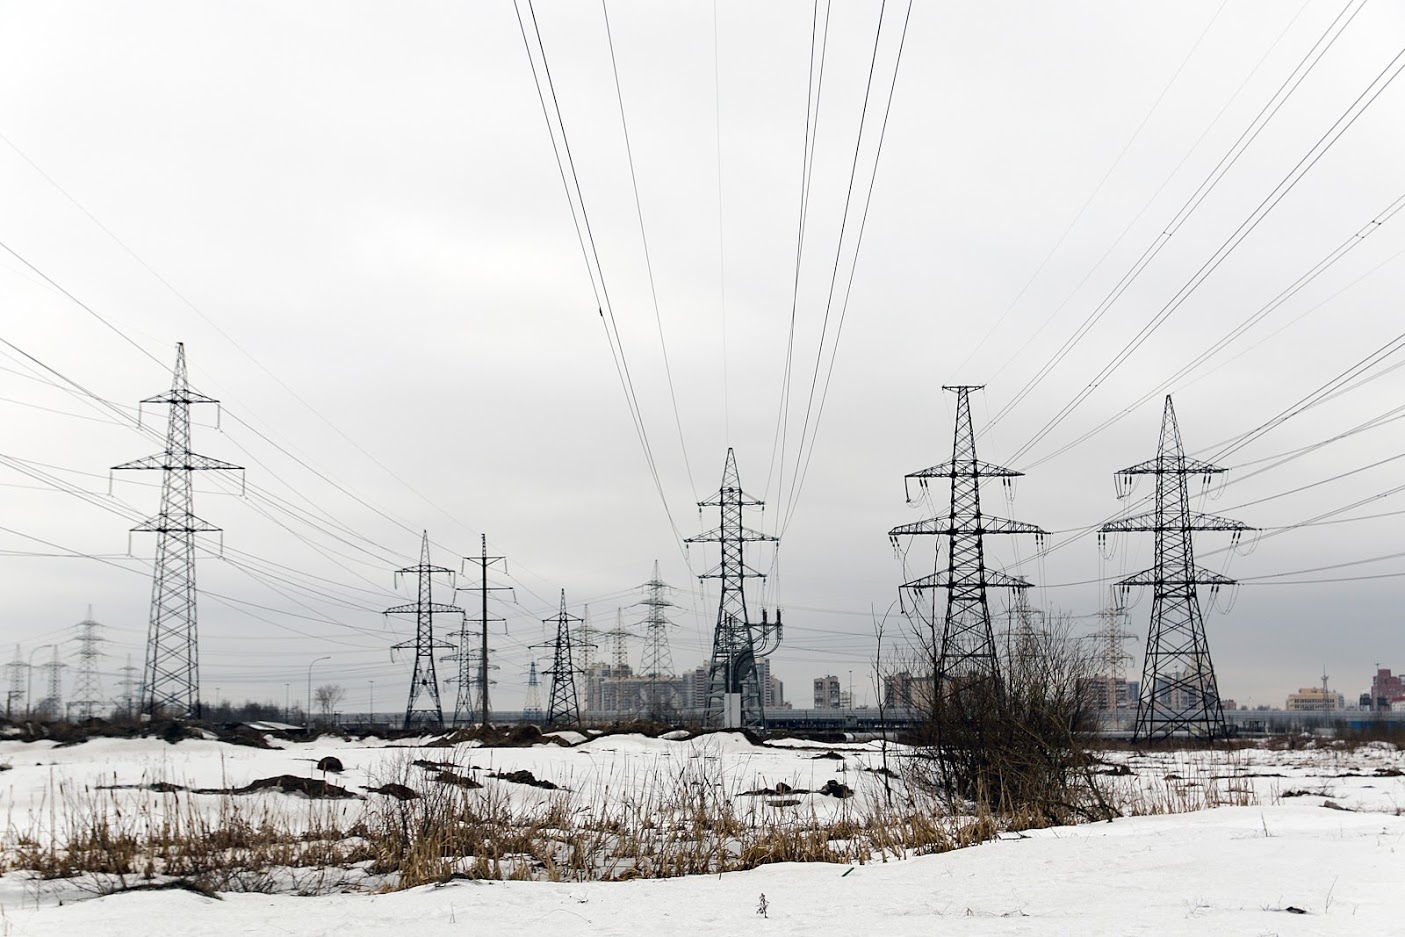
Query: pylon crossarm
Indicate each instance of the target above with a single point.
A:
(741, 571)
(989, 577)
(727, 498)
(433, 608)
(1172, 465)
(966, 468)
(426, 569)
(1154, 521)
(716, 534)
(190, 524)
(946, 526)
(1199, 576)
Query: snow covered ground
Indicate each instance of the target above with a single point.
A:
(1320, 831)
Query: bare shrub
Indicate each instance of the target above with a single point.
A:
(1016, 747)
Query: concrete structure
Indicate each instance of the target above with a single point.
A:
(1104, 694)
(828, 692)
(1314, 699)
(1387, 689)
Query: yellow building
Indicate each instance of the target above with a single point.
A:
(1313, 699)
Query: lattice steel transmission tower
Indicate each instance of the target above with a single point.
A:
(171, 676)
(52, 704)
(423, 681)
(19, 670)
(130, 685)
(965, 650)
(1178, 692)
(532, 708)
(484, 561)
(87, 687)
(1111, 653)
(469, 695)
(564, 704)
(657, 663)
(734, 693)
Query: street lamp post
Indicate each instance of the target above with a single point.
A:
(309, 684)
(29, 684)
(371, 716)
(287, 708)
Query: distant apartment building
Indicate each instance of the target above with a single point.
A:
(829, 692)
(905, 691)
(693, 689)
(1310, 699)
(1387, 689)
(1103, 694)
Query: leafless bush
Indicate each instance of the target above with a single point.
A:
(1017, 745)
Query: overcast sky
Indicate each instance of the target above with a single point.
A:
(352, 216)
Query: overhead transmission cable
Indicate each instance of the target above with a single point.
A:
(570, 182)
(802, 468)
(1288, 292)
(1207, 185)
(814, 90)
(644, 240)
(1126, 147)
(1261, 211)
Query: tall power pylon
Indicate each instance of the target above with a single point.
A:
(965, 650)
(130, 685)
(658, 660)
(1178, 692)
(532, 708)
(1111, 652)
(19, 670)
(423, 681)
(171, 676)
(734, 697)
(619, 647)
(87, 687)
(484, 561)
(52, 704)
(468, 696)
(564, 703)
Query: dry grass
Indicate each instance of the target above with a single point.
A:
(665, 823)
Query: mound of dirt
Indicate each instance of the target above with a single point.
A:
(291, 784)
(524, 777)
(331, 763)
(398, 791)
(458, 780)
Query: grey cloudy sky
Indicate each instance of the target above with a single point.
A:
(365, 245)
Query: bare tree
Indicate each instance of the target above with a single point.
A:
(328, 697)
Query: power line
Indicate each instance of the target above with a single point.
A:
(1207, 185)
(1261, 211)
(644, 240)
(586, 238)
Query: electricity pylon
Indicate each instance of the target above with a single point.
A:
(465, 681)
(87, 688)
(171, 676)
(658, 661)
(1178, 692)
(19, 670)
(733, 688)
(1111, 653)
(468, 696)
(965, 651)
(564, 704)
(619, 648)
(532, 708)
(424, 681)
(52, 705)
(130, 687)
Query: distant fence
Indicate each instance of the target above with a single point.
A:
(1246, 722)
